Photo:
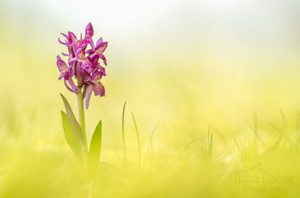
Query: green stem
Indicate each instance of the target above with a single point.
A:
(81, 112)
(82, 125)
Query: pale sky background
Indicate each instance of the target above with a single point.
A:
(269, 19)
(248, 29)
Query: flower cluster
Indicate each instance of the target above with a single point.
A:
(83, 64)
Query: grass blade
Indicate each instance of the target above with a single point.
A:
(182, 151)
(210, 143)
(137, 138)
(255, 129)
(123, 133)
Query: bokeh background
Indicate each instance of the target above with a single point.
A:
(182, 67)
(211, 62)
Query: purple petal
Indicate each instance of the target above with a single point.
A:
(103, 58)
(82, 43)
(61, 65)
(64, 54)
(89, 31)
(71, 36)
(78, 51)
(71, 86)
(64, 35)
(100, 40)
(90, 51)
(63, 43)
(102, 47)
(87, 66)
(68, 74)
(102, 71)
(99, 89)
(96, 76)
(72, 60)
(87, 97)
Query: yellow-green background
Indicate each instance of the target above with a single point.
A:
(182, 67)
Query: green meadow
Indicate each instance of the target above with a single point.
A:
(184, 137)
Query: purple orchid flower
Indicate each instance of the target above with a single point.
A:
(66, 73)
(95, 86)
(83, 64)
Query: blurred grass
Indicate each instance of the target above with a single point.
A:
(250, 146)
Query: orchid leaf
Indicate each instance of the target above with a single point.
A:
(72, 138)
(95, 148)
(73, 122)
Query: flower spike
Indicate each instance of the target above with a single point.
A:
(83, 63)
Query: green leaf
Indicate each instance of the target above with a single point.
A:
(72, 138)
(95, 149)
(73, 122)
